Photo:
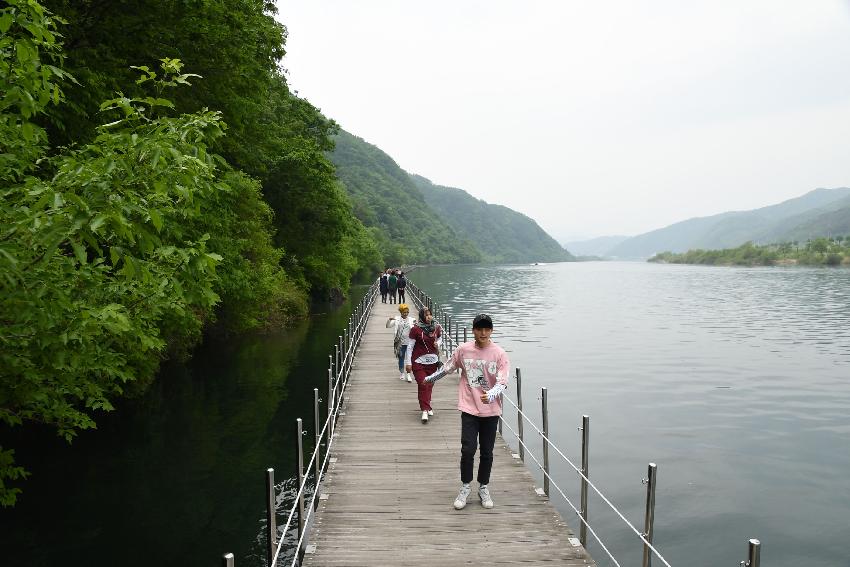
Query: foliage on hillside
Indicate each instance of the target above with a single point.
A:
(272, 135)
(387, 201)
(817, 252)
(128, 226)
(510, 236)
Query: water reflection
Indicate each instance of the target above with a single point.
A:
(176, 477)
(734, 380)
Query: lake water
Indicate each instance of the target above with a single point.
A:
(734, 381)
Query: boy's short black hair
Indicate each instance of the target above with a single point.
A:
(482, 321)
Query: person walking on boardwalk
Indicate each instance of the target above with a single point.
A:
(392, 285)
(401, 284)
(484, 370)
(384, 285)
(423, 348)
(403, 323)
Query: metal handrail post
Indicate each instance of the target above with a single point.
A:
(464, 333)
(519, 414)
(545, 410)
(330, 407)
(338, 358)
(227, 560)
(649, 519)
(299, 464)
(754, 554)
(318, 450)
(585, 470)
(271, 520)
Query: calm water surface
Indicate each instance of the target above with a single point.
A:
(734, 381)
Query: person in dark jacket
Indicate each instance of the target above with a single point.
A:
(392, 285)
(384, 285)
(401, 284)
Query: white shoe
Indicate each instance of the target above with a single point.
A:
(401, 377)
(460, 501)
(484, 495)
(424, 417)
(430, 412)
(409, 379)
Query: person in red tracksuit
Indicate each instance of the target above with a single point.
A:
(423, 348)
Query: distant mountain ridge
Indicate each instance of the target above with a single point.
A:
(809, 216)
(503, 235)
(594, 246)
(417, 222)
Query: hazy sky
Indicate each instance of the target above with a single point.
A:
(593, 118)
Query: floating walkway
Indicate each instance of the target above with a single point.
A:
(386, 498)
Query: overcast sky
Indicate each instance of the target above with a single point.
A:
(593, 118)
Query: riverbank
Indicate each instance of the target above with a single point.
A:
(818, 252)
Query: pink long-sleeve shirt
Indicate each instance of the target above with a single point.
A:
(481, 369)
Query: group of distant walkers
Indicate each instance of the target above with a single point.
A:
(484, 369)
(392, 284)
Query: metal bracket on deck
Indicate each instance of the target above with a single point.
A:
(323, 496)
(332, 459)
(540, 492)
(515, 455)
(311, 548)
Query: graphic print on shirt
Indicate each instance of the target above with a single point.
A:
(475, 372)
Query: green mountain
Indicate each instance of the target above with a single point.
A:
(386, 200)
(416, 221)
(808, 216)
(830, 220)
(510, 237)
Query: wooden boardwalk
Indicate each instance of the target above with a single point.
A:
(387, 498)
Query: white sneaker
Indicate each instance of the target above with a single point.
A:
(401, 377)
(409, 379)
(430, 412)
(484, 495)
(424, 417)
(460, 501)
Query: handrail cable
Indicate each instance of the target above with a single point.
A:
(552, 481)
(614, 508)
(303, 485)
(640, 535)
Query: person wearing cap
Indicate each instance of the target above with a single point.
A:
(484, 370)
(403, 323)
(422, 356)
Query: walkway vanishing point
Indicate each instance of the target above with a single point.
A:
(387, 496)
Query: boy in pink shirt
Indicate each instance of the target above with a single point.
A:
(484, 370)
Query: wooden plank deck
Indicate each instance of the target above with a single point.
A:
(391, 488)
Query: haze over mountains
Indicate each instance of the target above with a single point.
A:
(822, 212)
(416, 221)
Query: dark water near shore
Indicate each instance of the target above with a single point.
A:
(176, 477)
(735, 381)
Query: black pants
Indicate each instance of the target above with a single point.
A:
(476, 430)
(401, 295)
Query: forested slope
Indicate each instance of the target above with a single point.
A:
(730, 229)
(502, 234)
(386, 200)
(159, 179)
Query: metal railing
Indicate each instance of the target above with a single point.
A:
(339, 372)
(451, 340)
